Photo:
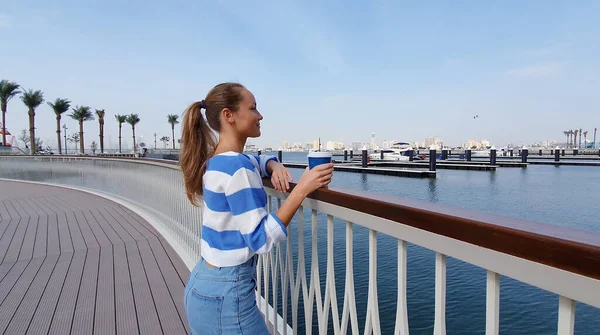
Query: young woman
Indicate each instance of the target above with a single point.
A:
(220, 293)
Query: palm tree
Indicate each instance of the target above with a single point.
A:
(8, 90)
(595, 137)
(165, 140)
(133, 119)
(120, 119)
(585, 139)
(173, 120)
(580, 133)
(81, 114)
(575, 138)
(59, 106)
(570, 136)
(566, 133)
(100, 113)
(32, 99)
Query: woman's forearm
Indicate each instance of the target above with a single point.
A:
(288, 208)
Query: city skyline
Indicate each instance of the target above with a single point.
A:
(406, 72)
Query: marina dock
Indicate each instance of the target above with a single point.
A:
(389, 171)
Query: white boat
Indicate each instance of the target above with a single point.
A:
(399, 151)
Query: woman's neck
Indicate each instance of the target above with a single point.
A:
(230, 144)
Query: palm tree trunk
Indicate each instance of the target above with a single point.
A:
(133, 130)
(595, 137)
(58, 134)
(173, 134)
(32, 132)
(3, 125)
(81, 144)
(120, 126)
(101, 137)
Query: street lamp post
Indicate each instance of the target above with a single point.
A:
(65, 131)
(154, 141)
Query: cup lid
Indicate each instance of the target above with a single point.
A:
(319, 154)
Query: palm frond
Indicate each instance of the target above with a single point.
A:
(100, 113)
(8, 89)
(121, 118)
(133, 119)
(82, 113)
(173, 119)
(60, 106)
(32, 99)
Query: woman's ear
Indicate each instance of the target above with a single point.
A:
(227, 116)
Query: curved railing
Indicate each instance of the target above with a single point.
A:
(563, 261)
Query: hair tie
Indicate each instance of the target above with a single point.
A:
(202, 104)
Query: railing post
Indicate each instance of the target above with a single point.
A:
(468, 155)
(566, 316)
(551, 152)
(411, 155)
(493, 154)
(432, 158)
(563, 152)
(444, 154)
(524, 154)
(364, 158)
(345, 155)
(540, 154)
(351, 154)
(381, 155)
(492, 317)
(259, 152)
(557, 154)
(575, 152)
(280, 156)
(511, 152)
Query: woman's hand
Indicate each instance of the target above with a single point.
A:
(319, 176)
(280, 177)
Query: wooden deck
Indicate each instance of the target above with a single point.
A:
(75, 263)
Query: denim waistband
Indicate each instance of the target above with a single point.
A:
(247, 267)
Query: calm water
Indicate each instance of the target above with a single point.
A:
(565, 196)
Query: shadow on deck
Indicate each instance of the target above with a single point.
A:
(76, 263)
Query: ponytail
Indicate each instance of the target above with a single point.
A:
(197, 145)
(198, 141)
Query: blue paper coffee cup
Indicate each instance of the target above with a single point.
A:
(317, 158)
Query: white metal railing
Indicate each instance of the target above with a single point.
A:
(156, 188)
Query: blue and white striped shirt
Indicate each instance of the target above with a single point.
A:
(235, 221)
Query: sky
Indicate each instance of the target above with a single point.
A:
(338, 70)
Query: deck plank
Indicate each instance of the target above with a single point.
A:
(144, 303)
(40, 324)
(168, 314)
(104, 318)
(75, 263)
(83, 320)
(125, 306)
(21, 319)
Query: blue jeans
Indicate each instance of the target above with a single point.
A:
(222, 300)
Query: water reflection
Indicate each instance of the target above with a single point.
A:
(432, 191)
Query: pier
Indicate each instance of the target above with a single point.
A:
(75, 263)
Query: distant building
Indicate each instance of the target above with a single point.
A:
(339, 145)
(330, 145)
(357, 146)
(435, 141)
(373, 142)
(286, 146)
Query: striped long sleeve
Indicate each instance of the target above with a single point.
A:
(236, 224)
